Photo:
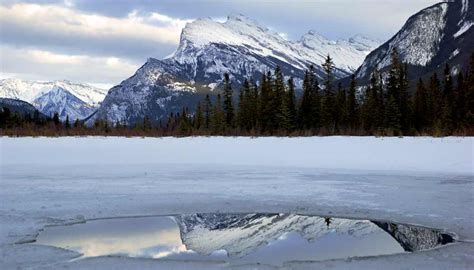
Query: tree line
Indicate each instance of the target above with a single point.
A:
(442, 105)
(438, 107)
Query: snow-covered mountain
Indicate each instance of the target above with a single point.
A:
(65, 97)
(240, 234)
(429, 39)
(208, 49)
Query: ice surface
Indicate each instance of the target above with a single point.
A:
(425, 181)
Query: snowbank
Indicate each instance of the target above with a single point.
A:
(410, 154)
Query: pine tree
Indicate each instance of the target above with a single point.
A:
(198, 118)
(218, 117)
(306, 104)
(146, 123)
(316, 100)
(393, 81)
(371, 108)
(328, 101)
(403, 99)
(460, 106)
(67, 125)
(392, 116)
(434, 102)
(56, 119)
(288, 111)
(244, 108)
(469, 119)
(266, 103)
(207, 111)
(278, 92)
(420, 107)
(352, 106)
(341, 99)
(447, 120)
(228, 102)
(254, 105)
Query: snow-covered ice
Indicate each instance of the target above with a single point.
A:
(425, 181)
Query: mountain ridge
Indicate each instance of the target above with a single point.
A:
(77, 100)
(207, 50)
(437, 35)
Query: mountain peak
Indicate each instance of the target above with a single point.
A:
(240, 18)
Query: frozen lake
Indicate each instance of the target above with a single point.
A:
(56, 181)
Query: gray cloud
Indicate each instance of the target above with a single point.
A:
(104, 41)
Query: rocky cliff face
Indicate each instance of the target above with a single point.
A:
(208, 49)
(429, 39)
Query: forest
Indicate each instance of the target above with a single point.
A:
(387, 106)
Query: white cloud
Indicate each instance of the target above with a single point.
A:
(59, 42)
(73, 22)
(36, 64)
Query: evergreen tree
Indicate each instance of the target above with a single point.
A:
(266, 109)
(306, 104)
(218, 120)
(352, 106)
(460, 106)
(278, 92)
(288, 111)
(447, 114)
(77, 123)
(244, 117)
(36, 117)
(328, 101)
(434, 102)
(392, 116)
(403, 98)
(184, 122)
(254, 105)
(371, 108)
(393, 81)
(228, 102)
(341, 100)
(420, 107)
(469, 101)
(67, 125)
(198, 118)
(146, 123)
(316, 100)
(207, 112)
(56, 120)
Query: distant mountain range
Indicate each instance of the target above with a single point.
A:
(208, 49)
(75, 100)
(435, 36)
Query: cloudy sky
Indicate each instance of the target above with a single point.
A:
(102, 42)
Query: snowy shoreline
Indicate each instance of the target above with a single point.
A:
(412, 155)
(53, 181)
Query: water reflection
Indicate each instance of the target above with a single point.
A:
(251, 238)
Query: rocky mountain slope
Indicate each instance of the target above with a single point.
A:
(65, 97)
(208, 49)
(240, 234)
(20, 107)
(429, 39)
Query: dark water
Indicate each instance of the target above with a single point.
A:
(239, 238)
